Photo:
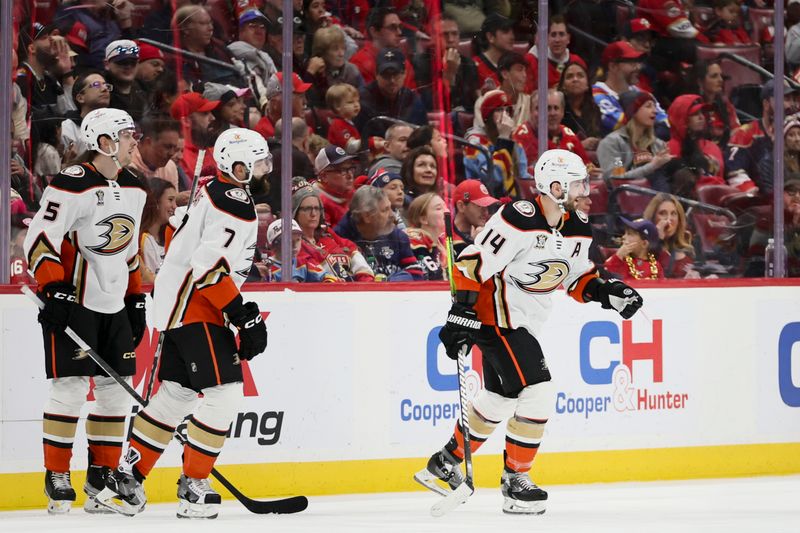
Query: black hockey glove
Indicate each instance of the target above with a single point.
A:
(59, 299)
(461, 328)
(614, 294)
(252, 330)
(134, 304)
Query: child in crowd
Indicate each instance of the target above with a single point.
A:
(638, 257)
(725, 27)
(343, 99)
(392, 184)
(307, 272)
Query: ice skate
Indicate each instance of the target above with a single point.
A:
(58, 489)
(442, 466)
(196, 498)
(123, 493)
(95, 482)
(522, 496)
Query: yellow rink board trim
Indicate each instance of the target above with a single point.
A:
(25, 490)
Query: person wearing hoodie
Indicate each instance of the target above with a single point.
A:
(687, 118)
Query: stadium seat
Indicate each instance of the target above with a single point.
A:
(713, 232)
(526, 189)
(760, 19)
(598, 192)
(435, 118)
(318, 120)
(463, 122)
(715, 194)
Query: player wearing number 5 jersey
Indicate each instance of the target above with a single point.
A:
(196, 298)
(82, 248)
(504, 281)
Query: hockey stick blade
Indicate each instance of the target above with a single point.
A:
(452, 500)
(294, 504)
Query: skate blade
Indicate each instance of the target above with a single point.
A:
(59, 506)
(207, 511)
(429, 481)
(452, 500)
(110, 500)
(92, 506)
(511, 506)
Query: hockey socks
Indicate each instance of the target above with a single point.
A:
(202, 448)
(59, 435)
(523, 436)
(150, 438)
(480, 428)
(105, 435)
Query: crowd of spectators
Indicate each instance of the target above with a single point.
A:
(404, 109)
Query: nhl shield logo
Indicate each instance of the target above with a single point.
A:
(100, 197)
(541, 240)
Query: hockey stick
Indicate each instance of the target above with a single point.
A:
(467, 488)
(198, 168)
(293, 504)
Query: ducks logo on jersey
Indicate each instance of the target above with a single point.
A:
(118, 234)
(546, 277)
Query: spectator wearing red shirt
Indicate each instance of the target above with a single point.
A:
(638, 257)
(272, 111)
(335, 182)
(559, 136)
(194, 113)
(677, 37)
(558, 55)
(339, 257)
(725, 27)
(687, 118)
(495, 39)
(385, 31)
(343, 99)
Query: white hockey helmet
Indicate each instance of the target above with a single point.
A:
(564, 168)
(105, 121)
(240, 145)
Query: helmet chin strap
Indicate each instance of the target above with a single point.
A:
(112, 155)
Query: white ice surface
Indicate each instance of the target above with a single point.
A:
(754, 505)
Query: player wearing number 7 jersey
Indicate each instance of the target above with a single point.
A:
(196, 297)
(504, 281)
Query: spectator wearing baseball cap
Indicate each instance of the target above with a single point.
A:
(273, 109)
(472, 201)
(249, 49)
(622, 64)
(558, 55)
(336, 174)
(306, 272)
(495, 38)
(387, 96)
(150, 66)
(90, 29)
(638, 257)
(385, 30)
(750, 145)
(230, 111)
(493, 131)
(338, 256)
(36, 77)
(640, 34)
(122, 58)
(195, 114)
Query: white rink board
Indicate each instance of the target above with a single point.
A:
(343, 370)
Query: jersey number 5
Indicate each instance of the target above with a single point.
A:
(496, 243)
(51, 211)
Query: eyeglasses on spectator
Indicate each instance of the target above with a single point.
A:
(98, 85)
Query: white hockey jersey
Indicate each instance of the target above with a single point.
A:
(208, 257)
(518, 260)
(86, 233)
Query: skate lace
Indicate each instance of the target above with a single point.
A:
(199, 486)
(522, 481)
(61, 480)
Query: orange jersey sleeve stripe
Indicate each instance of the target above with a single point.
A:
(577, 291)
(220, 294)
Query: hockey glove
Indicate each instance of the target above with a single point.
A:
(614, 294)
(134, 304)
(59, 299)
(252, 330)
(460, 330)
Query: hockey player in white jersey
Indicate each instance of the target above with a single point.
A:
(504, 281)
(196, 298)
(82, 248)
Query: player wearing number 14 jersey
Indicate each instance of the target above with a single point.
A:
(504, 280)
(196, 298)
